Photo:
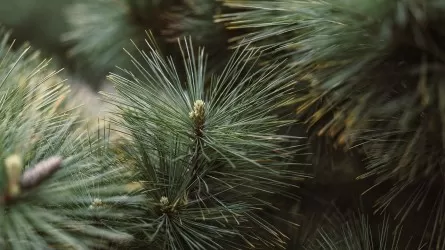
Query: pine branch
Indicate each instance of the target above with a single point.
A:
(205, 154)
(45, 203)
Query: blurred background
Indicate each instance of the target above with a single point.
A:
(43, 27)
(87, 38)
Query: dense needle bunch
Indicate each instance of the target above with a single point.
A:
(206, 153)
(49, 171)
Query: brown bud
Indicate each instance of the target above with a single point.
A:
(41, 171)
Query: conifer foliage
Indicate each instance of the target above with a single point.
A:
(206, 92)
(374, 70)
(206, 153)
(49, 171)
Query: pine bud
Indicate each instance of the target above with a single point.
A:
(198, 116)
(96, 203)
(14, 166)
(41, 171)
(164, 201)
(198, 111)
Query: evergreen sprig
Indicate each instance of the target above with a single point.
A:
(205, 153)
(50, 179)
